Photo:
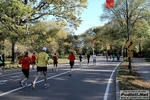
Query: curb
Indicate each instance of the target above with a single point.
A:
(117, 83)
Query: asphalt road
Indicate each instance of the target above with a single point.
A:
(88, 82)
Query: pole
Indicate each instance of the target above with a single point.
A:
(128, 34)
(93, 46)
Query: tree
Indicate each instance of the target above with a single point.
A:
(137, 11)
(17, 15)
(128, 15)
(50, 34)
(13, 13)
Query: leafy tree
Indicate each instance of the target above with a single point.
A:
(13, 14)
(137, 11)
(49, 34)
(135, 16)
(16, 15)
(86, 39)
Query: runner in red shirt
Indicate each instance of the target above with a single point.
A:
(33, 60)
(55, 62)
(71, 57)
(25, 61)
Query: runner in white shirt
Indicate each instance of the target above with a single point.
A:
(94, 59)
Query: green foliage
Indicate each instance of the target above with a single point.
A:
(17, 15)
(72, 51)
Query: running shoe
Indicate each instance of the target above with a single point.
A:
(33, 85)
(1, 74)
(26, 85)
(70, 75)
(21, 83)
(46, 86)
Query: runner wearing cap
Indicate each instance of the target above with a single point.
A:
(42, 61)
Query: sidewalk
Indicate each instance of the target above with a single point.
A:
(142, 67)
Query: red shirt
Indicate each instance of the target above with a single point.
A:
(25, 61)
(33, 57)
(55, 57)
(71, 57)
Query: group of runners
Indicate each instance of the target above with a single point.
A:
(41, 60)
(94, 57)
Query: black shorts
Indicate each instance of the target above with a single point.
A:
(41, 69)
(26, 72)
(33, 62)
(55, 62)
(2, 65)
(71, 64)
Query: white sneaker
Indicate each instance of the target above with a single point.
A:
(21, 83)
(33, 85)
(1, 74)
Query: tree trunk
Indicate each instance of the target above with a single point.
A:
(13, 52)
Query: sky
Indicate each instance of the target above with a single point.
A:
(91, 16)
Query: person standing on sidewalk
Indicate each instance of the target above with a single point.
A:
(33, 60)
(42, 61)
(55, 62)
(25, 61)
(72, 58)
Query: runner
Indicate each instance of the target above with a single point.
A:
(33, 60)
(71, 57)
(25, 61)
(1, 63)
(80, 58)
(42, 61)
(88, 58)
(55, 62)
(94, 59)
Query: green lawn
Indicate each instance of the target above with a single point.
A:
(9, 66)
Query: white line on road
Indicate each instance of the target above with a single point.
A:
(109, 81)
(5, 93)
(12, 74)
(106, 92)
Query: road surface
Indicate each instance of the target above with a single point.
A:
(88, 82)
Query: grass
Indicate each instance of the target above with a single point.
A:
(8, 65)
(133, 81)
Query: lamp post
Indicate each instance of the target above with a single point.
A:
(93, 46)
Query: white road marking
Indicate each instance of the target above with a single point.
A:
(17, 80)
(12, 74)
(5, 93)
(3, 81)
(109, 81)
(106, 92)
